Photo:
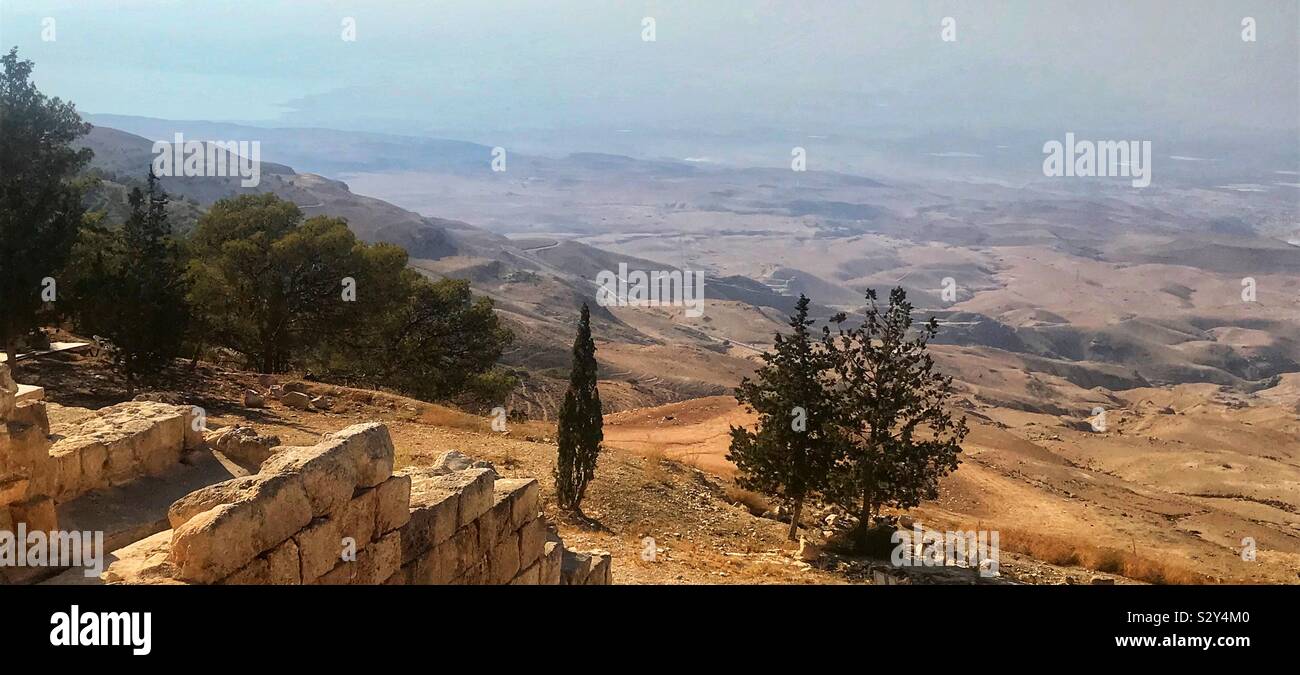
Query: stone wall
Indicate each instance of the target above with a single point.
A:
(27, 473)
(336, 513)
(118, 444)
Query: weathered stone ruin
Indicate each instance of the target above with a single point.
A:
(27, 473)
(119, 444)
(238, 508)
(336, 513)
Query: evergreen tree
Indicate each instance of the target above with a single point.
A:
(270, 285)
(289, 293)
(130, 287)
(892, 404)
(40, 205)
(791, 455)
(580, 423)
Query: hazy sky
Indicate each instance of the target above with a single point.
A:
(464, 67)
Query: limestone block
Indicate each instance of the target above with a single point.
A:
(284, 562)
(371, 449)
(600, 574)
(436, 566)
(476, 575)
(432, 516)
(253, 399)
(35, 414)
(359, 518)
(503, 561)
(24, 445)
(123, 466)
(94, 466)
(205, 498)
(525, 499)
(328, 471)
(320, 547)
(143, 562)
(574, 568)
(532, 539)
(159, 445)
(215, 543)
(255, 573)
(67, 465)
(474, 488)
(529, 577)
(495, 524)
(393, 504)
(468, 553)
(297, 400)
(552, 554)
(277, 567)
(237, 490)
(380, 560)
(28, 392)
(243, 446)
(345, 573)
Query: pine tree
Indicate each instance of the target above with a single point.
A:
(40, 205)
(892, 403)
(580, 424)
(791, 455)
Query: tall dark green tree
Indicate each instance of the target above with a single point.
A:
(130, 287)
(791, 454)
(40, 203)
(580, 424)
(894, 406)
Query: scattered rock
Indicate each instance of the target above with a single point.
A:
(243, 446)
(322, 403)
(451, 461)
(252, 399)
(1102, 581)
(808, 551)
(296, 399)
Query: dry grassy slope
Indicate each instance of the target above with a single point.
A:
(701, 534)
(1178, 479)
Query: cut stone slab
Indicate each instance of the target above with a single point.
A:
(29, 392)
(54, 347)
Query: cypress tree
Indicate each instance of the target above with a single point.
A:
(580, 423)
